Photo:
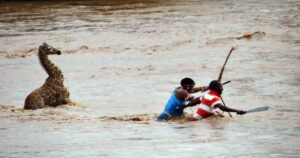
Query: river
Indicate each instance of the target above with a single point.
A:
(122, 60)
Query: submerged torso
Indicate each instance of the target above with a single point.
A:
(175, 106)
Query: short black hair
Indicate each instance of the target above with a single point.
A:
(215, 85)
(187, 81)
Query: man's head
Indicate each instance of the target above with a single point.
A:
(187, 84)
(216, 86)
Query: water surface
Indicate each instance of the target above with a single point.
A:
(124, 58)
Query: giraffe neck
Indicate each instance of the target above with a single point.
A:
(52, 70)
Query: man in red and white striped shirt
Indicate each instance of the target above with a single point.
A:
(210, 101)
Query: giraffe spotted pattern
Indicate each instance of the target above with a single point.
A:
(52, 93)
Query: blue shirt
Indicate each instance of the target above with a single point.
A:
(175, 106)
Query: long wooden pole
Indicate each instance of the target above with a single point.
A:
(222, 70)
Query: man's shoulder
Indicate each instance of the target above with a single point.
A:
(181, 93)
(210, 96)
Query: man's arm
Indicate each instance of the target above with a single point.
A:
(199, 89)
(227, 109)
(194, 102)
(184, 95)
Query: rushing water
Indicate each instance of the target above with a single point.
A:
(122, 59)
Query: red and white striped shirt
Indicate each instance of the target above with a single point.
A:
(207, 106)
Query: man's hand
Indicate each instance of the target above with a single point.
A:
(194, 102)
(189, 98)
(241, 112)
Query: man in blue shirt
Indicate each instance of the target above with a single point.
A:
(179, 98)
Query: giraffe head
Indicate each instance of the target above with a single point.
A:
(48, 49)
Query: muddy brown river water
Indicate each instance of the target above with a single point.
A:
(122, 59)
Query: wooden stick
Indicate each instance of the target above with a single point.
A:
(226, 82)
(222, 70)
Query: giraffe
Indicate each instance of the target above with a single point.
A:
(52, 92)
